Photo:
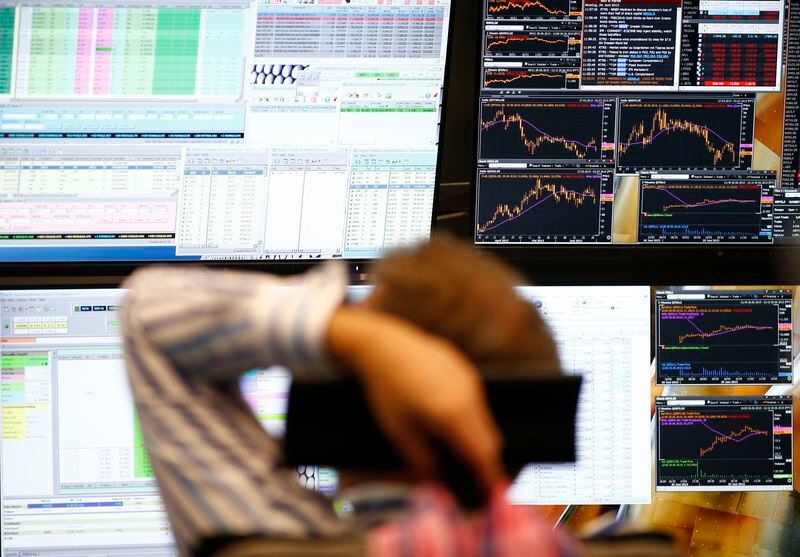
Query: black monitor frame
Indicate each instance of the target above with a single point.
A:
(713, 263)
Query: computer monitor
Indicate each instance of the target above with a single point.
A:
(74, 472)
(230, 129)
(647, 122)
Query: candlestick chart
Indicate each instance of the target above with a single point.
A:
(532, 43)
(541, 206)
(705, 208)
(533, 78)
(545, 130)
(682, 135)
(528, 8)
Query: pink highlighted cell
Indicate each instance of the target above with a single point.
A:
(103, 51)
(88, 218)
(83, 55)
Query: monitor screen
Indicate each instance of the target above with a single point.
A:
(718, 337)
(613, 421)
(230, 129)
(75, 475)
(661, 122)
(724, 443)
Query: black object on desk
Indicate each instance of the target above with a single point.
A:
(330, 424)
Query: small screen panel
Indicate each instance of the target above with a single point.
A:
(724, 444)
(691, 89)
(231, 129)
(701, 208)
(613, 421)
(724, 337)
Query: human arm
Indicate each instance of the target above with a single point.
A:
(191, 333)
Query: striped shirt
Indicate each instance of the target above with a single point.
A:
(189, 336)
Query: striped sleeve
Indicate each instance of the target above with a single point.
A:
(214, 325)
(188, 335)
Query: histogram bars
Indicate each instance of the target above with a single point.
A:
(706, 206)
(736, 337)
(724, 443)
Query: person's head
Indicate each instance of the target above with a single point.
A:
(447, 288)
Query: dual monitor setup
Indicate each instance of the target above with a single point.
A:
(263, 131)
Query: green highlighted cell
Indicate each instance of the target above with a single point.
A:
(383, 75)
(177, 43)
(12, 387)
(24, 360)
(142, 467)
(8, 17)
(388, 109)
(271, 417)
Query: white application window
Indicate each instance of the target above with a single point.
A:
(602, 334)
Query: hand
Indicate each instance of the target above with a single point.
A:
(419, 386)
(446, 288)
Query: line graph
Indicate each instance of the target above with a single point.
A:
(542, 78)
(682, 135)
(699, 197)
(690, 434)
(743, 434)
(531, 43)
(719, 331)
(701, 209)
(540, 206)
(528, 8)
(543, 131)
(722, 443)
(732, 341)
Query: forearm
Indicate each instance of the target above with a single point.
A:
(214, 325)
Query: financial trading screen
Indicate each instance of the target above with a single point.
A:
(705, 92)
(724, 444)
(724, 337)
(229, 129)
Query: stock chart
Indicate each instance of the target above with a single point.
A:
(548, 129)
(684, 135)
(533, 43)
(528, 8)
(704, 208)
(724, 444)
(724, 338)
(554, 78)
(544, 206)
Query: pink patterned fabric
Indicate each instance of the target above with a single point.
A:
(436, 527)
